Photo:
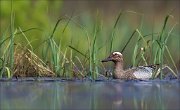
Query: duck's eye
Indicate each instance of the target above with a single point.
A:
(116, 55)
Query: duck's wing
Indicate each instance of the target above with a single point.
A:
(143, 72)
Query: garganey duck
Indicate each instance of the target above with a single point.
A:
(141, 72)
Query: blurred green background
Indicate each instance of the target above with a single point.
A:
(147, 16)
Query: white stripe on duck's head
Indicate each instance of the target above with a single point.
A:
(115, 57)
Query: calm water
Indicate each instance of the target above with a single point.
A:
(89, 95)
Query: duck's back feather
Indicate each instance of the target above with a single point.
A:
(143, 72)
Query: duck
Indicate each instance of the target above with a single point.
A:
(140, 72)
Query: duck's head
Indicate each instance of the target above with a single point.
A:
(115, 57)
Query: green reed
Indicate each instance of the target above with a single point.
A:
(62, 61)
(54, 49)
(7, 55)
(92, 50)
(112, 37)
(159, 55)
(162, 46)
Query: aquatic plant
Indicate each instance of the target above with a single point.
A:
(75, 49)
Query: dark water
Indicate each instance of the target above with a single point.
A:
(88, 95)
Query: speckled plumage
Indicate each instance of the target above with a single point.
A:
(141, 72)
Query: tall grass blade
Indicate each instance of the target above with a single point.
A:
(2, 41)
(55, 28)
(11, 48)
(172, 60)
(28, 42)
(161, 40)
(113, 31)
(94, 49)
(8, 72)
(77, 51)
(135, 55)
(128, 41)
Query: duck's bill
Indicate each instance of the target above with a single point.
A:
(107, 59)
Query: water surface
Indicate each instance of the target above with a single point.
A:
(88, 95)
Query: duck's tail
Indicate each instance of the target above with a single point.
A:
(157, 69)
(156, 66)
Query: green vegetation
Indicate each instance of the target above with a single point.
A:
(75, 48)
